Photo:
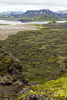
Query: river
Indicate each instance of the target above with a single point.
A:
(18, 22)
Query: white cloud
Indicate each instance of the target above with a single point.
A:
(36, 2)
(25, 2)
(23, 5)
(29, 7)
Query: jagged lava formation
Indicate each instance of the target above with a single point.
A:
(11, 77)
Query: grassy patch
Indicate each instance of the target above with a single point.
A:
(53, 90)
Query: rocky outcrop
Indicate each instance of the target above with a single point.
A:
(33, 97)
(11, 75)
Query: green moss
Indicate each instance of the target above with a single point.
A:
(55, 89)
(42, 53)
(29, 93)
(40, 26)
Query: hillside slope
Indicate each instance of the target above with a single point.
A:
(42, 53)
(28, 14)
(51, 90)
(39, 18)
(35, 13)
(39, 15)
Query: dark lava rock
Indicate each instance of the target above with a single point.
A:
(10, 69)
(6, 80)
(33, 97)
(12, 79)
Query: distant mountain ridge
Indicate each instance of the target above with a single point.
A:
(17, 15)
(35, 13)
(12, 13)
(62, 13)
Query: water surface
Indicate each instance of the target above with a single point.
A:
(18, 22)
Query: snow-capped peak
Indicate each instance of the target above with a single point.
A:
(61, 11)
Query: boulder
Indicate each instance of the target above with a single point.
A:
(6, 80)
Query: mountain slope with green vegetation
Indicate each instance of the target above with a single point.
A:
(7, 17)
(39, 18)
(44, 18)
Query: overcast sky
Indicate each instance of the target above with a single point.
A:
(23, 5)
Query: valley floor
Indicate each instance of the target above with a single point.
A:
(6, 30)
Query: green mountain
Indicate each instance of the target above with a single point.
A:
(31, 15)
(34, 15)
(44, 18)
(11, 15)
(39, 18)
